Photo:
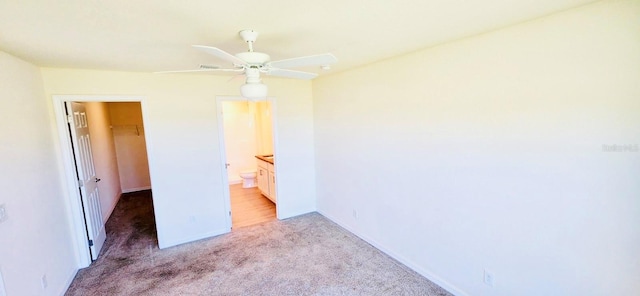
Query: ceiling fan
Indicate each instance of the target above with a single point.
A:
(253, 63)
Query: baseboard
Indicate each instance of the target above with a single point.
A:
(190, 239)
(289, 215)
(129, 190)
(72, 275)
(231, 182)
(409, 263)
(113, 206)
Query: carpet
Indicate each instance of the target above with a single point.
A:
(305, 255)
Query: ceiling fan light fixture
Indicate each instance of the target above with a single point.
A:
(252, 64)
(254, 91)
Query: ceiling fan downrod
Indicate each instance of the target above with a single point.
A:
(249, 36)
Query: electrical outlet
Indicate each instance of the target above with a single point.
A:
(3, 213)
(43, 281)
(489, 278)
(355, 214)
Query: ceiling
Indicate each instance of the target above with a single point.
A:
(129, 35)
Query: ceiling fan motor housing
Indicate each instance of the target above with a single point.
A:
(254, 58)
(253, 89)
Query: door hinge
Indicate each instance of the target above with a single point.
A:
(90, 243)
(69, 118)
(80, 183)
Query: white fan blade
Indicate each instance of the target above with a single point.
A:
(314, 60)
(221, 54)
(200, 70)
(291, 74)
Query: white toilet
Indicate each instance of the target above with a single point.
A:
(248, 178)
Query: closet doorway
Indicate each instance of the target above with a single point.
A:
(117, 144)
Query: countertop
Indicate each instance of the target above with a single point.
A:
(267, 158)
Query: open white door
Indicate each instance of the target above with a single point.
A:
(87, 180)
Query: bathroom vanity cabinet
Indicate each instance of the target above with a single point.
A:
(266, 177)
(263, 178)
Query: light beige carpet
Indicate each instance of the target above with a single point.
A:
(306, 255)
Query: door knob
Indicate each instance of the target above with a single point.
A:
(97, 180)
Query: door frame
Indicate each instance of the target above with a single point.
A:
(74, 206)
(223, 150)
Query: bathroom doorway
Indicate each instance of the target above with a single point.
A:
(247, 136)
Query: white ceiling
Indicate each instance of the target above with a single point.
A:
(133, 35)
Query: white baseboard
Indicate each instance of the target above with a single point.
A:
(189, 239)
(113, 206)
(231, 182)
(129, 190)
(71, 275)
(409, 263)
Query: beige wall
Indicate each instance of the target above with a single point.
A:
(130, 144)
(35, 240)
(104, 156)
(486, 153)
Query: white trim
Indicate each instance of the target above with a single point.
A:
(412, 265)
(73, 204)
(193, 238)
(223, 158)
(70, 277)
(81, 249)
(113, 207)
(129, 190)
(274, 131)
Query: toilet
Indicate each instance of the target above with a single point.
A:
(248, 178)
